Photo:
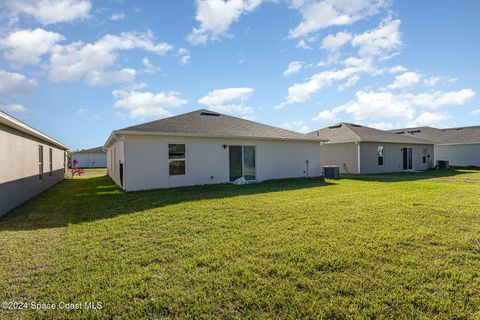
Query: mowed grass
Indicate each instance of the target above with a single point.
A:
(398, 246)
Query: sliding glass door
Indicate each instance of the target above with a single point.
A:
(242, 162)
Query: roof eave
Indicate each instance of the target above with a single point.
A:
(172, 134)
(11, 122)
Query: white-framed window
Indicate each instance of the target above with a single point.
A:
(381, 155)
(424, 155)
(177, 159)
(40, 162)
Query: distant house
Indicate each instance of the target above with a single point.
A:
(90, 158)
(205, 147)
(460, 146)
(30, 162)
(359, 149)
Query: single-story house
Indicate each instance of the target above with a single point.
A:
(359, 149)
(90, 158)
(205, 147)
(460, 146)
(31, 162)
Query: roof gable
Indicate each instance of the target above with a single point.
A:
(460, 135)
(349, 132)
(208, 123)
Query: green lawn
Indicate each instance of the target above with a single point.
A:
(397, 246)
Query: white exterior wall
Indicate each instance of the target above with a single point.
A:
(90, 160)
(207, 162)
(19, 170)
(115, 156)
(461, 155)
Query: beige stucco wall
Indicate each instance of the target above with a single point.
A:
(19, 169)
(462, 155)
(393, 157)
(146, 160)
(343, 155)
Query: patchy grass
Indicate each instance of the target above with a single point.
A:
(396, 246)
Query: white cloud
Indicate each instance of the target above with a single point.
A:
(184, 55)
(381, 41)
(298, 126)
(147, 104)
(325, 115)
(12, 84)
(301, 92)
(216, 16)
(335, 42)
(476, 112)
(302, 44)
(428, 119)
(403, 108)
(228, 100)
(27, 46)
(381, 125)
(350, 83)
(405, 80)
(96, 78)
(82, 111)
(317, 15)
(78, 60)
(149, 67)
(51, 11)
(439, 99)
(293, 67)
(434, 81)
(17, 108)
(117, 16)
(397, 69)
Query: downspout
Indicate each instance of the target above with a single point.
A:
(358, 156)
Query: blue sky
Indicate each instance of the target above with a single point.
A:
(78, 69)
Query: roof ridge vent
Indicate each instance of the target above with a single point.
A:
(335, 126)
(209, 114)
(356, 125)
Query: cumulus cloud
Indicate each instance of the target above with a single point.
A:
(321, 14)
(335, 42)
(24, 47)
(216, 16)
(51, 11)
(293, 67)
(397, 69)
(403, 108)
(13, 84)
(183, 55)
(405, 80)
(89, 61)
(428, 119)
(298, 126)
(16, 108)
(147, 104)
(381, 41)
(229, 100)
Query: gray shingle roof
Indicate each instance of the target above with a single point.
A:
(348, 132)
(443, 136)
(208, 123)
(91, 150)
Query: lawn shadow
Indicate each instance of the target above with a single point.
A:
(75, 201)
(409, 176)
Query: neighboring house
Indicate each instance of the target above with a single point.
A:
(90, 158)
(30, 162)
(359, 149)
(205, 147)
(460, 146)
